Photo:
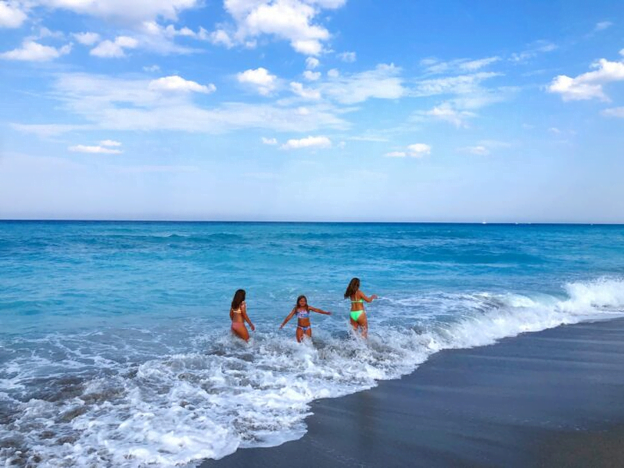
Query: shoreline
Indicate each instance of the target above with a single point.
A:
(549, 398)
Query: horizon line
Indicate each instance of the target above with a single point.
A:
(207, 221)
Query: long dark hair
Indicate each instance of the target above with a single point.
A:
(306, 299)
(239, 297)
(353, 287)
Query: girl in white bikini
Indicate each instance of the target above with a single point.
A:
(302, 311)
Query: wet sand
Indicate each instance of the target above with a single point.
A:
(548, 399)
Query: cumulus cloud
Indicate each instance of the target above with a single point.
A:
(306, 93)
(87, 38)
(135, 11)
(176, 83)
(588, 85)
(312, 63)
(269, 141)
(110, 49)
(308, 142)
(348, 57)
(417, 150)
(10, 15)
(99, 149)
(291, 20)
(31, 51)
(311, 76)
(260, 79)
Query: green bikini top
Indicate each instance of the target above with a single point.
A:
(359, 300)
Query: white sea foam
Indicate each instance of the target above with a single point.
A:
(79, 401)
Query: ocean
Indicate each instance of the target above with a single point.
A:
(115, 347)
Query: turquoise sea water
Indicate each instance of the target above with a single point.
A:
(115, 347)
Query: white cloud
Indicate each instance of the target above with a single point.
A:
(417, 150)
(614, 112)
(333, 73)
(348, 57)
(87, 38)
(462, 84)
(311, 76)
(260, 79)
(383, 82)
(124, 104)
(305, 93)
(447, 113)
(135, 11)
(93, 149)
(10, 15)
(603, 25)
(48, 130)
(308, 142)
(269, 141)
(110, 49)
(220, 37)
(312, 63)
(534, 49)
(588, 85)
(554, 130)
(178, 84)
(110, 143)
(485, 147)
(152, 68)
(34, 52)
(479, 150)
(435, 66)
(291, 20)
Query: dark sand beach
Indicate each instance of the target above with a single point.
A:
(548, 399)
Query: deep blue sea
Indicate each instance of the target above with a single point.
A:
(115, 347)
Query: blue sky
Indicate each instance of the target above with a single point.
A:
(336, 110)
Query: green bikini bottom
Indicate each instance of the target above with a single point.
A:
(355, 314)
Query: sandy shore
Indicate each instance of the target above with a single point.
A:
(552, 399)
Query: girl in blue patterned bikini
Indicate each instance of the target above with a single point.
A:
(302, 311)
(357, 314)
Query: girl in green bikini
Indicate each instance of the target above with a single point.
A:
(358, 315)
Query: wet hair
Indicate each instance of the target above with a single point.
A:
(239, 297)
(306, 299)
(353, 287)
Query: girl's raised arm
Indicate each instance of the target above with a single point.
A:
(367, 299)
(291, 315)
(318, 311)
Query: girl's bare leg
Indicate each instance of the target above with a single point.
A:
(363, 323)
(241, 332)
(299, 334)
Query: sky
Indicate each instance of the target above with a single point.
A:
(312, 110)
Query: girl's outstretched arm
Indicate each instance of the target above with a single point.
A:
(368, 299)
(291, 315)
(246, 317)
(318, 311)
